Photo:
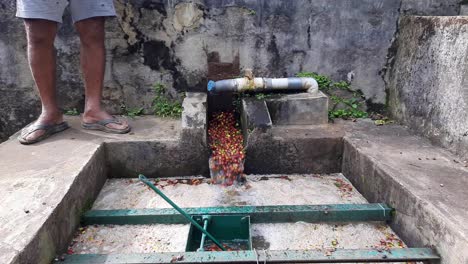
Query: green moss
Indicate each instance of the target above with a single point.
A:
(346, 102)
(72, 112)
(132, 112)
(252, 12)
(164, 106)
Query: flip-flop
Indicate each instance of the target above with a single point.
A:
(102, 126)
(49, 130)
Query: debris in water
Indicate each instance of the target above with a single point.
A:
(162, 183)
(334, 242)
(233, 245)
(345, 188)
(177, 258)
(390, 241)
(285, 178)
(330, 251)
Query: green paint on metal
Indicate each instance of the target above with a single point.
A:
(258, 214)
(254, 257)
(181, 211)
(206, 219)
(232, 230)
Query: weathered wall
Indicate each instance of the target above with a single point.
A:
(183, 43)
(428, 83)
(430, 7)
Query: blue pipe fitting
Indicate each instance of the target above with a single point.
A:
(211, 86)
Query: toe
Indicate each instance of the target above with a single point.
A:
(123, 125)
(34, 135)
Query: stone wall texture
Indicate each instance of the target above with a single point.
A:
(182, 44)
(428, 83)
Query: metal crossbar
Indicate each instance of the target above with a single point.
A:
(254, 257)
(258, 214)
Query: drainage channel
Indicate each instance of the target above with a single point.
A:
(312, 218)
(294, 219)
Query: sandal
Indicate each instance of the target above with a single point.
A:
(49, 130)
(102, 126)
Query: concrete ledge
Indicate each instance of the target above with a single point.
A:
(194, 119)
(295, 149)
(183, 151)
(299, 109)
(388, 164)
(255, 114)
(464, 10)
(156, 159)
(46, 187)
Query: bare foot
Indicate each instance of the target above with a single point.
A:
(44, 119)
(95, 116)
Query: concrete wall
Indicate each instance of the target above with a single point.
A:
(428, 83)
(183, 43)
(430, 7)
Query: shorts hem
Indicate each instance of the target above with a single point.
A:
(95, 14)
(38, 15)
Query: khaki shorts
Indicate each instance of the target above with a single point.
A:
(53, 9)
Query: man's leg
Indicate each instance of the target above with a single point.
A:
(92, 37)
(41, 54)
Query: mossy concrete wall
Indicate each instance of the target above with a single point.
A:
(183, 43)
(428, 83)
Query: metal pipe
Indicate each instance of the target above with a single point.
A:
(182, 212)
(263, 84)
(206, 219)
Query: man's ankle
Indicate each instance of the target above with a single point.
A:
(51, 117)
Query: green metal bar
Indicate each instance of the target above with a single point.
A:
(182, 212)
(254, 257)
(206, 219)
(258, 214)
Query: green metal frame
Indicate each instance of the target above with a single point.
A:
(254, 257)
(226, 228)
(258, 214)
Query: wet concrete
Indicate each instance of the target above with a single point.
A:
(259, 190)
(128, 239)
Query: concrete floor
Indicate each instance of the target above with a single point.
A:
(259, 190)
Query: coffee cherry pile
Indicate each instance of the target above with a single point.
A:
(227, 146)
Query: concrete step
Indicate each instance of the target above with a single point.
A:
(425, 184)
(45, 187)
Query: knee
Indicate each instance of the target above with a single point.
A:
(38, 35)
(39, 40)
(92, 37)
